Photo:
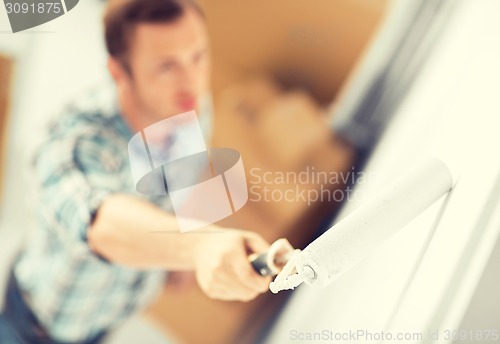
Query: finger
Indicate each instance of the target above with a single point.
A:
(225, 278)
(230, 294)
(255, 242)
(226, 287)
(248, 276)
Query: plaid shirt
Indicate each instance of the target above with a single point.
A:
(74, 293)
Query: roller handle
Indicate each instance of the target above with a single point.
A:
(259, 264)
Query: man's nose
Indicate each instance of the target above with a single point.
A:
(187, 79)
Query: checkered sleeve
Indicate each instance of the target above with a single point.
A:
(75, 173)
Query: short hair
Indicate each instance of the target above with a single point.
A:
(122, 16)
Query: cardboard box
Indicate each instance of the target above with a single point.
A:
(311, 44)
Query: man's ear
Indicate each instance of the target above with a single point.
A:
(115, 67)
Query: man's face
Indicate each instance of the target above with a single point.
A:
(170, 66)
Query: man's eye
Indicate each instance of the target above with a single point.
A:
(167, 66)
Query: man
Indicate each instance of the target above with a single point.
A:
(92, 260)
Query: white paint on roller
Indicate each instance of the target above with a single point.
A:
(369, 226)
(288, 278)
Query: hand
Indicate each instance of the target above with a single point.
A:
(223, 270)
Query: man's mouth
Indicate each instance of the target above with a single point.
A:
(187, 104)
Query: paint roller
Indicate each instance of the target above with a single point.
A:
(359, 233)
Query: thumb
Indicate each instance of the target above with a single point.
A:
(256, 243)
